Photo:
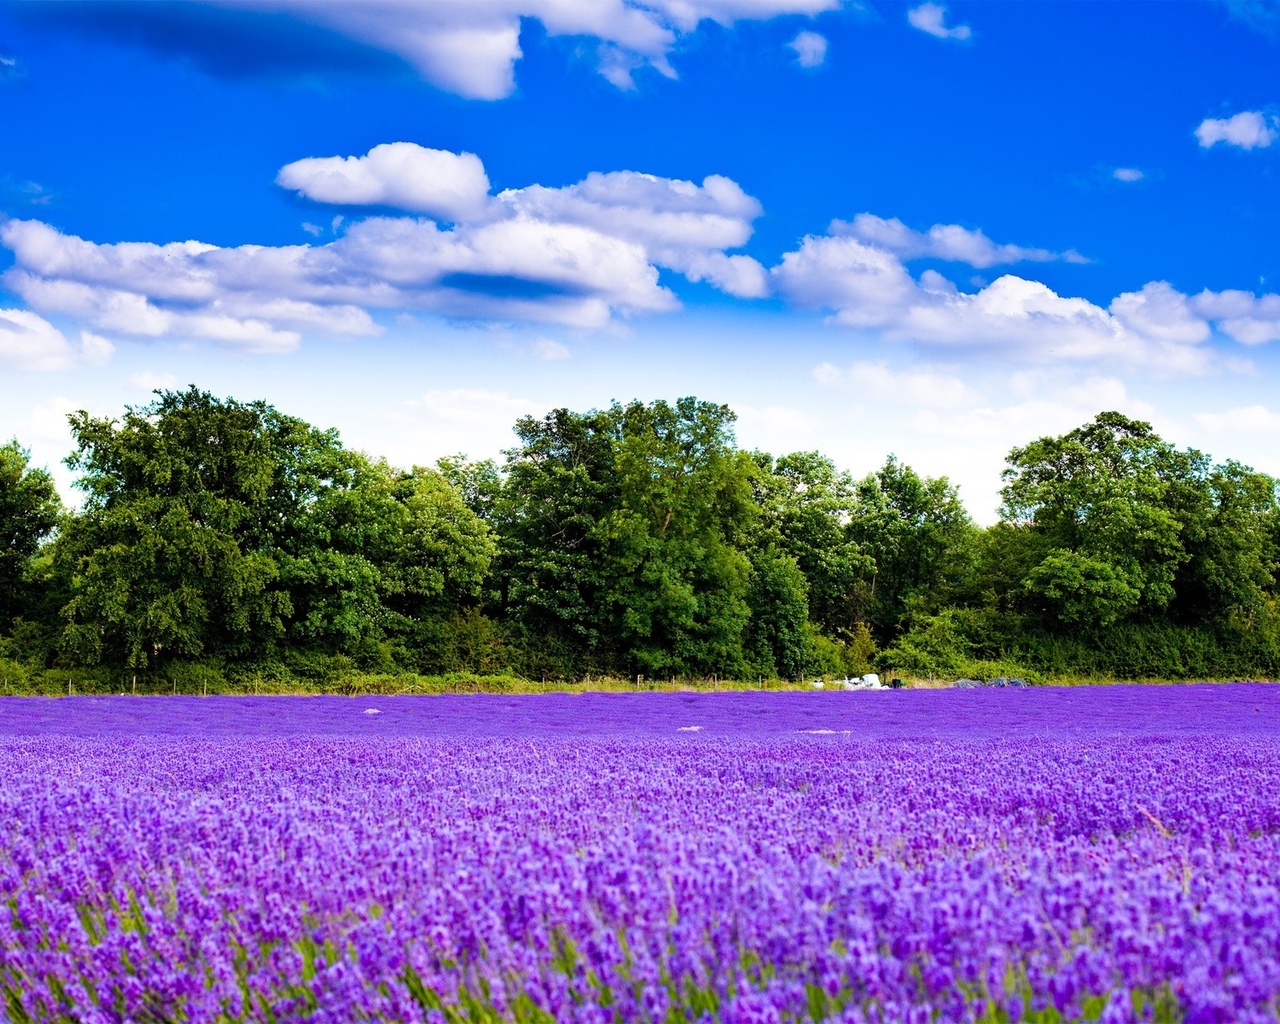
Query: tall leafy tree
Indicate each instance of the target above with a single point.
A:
(676, 537)
(777, 639)
(622, 534)
(806, 508)
(170, 556)
(439, 551)
(1230, 572)
(29, 511)
(918, 535)
(220, 529)
(479, 482)
(560, 484)
(1108, 505)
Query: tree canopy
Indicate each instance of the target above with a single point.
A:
(29, 512)
(637, 539)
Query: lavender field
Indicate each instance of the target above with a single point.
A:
(1044, 855)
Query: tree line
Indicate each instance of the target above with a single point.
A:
(633, 540)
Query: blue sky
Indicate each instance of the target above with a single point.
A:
(937, 230)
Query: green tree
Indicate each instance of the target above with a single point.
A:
(676, 540)
(226, 530)
(29, 512)
(806, 507)
(559, 485)
(778, 640)
(1106, 505)
(433, 573)
(478, 482)
(1232, 548)
(442, 555)
(166, 559)
(622, 537)
(919, 537)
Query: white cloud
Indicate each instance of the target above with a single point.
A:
(30, 342)
(769, 424)
(931, 18)
(681, 225)
(618, 67)
(869, 288)
(942, 241)
(259, 298)
(448, 186)
(1127, 174)
(1160, 312)
(810, 49)
(1249, 129)
(472, 406)
(1047, 406)
(149, 380)
(865, 284)
(549, 351)
(48, 422)
(579, 255)
(95, 349)
(447, 421)
(1248, 419)
(471, 48)
(857, 273)
(1243, 316)
(876, 381)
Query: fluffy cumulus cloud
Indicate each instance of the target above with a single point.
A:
(862, 279)
(580, 255)
(942, 241)
(438, 240)
(30, 342)
(680, 225)
(449, 186)
(1243, 316)
(1249, 129)
(471, 48)
(932, 18)
(810, 49)
(1160, 312)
